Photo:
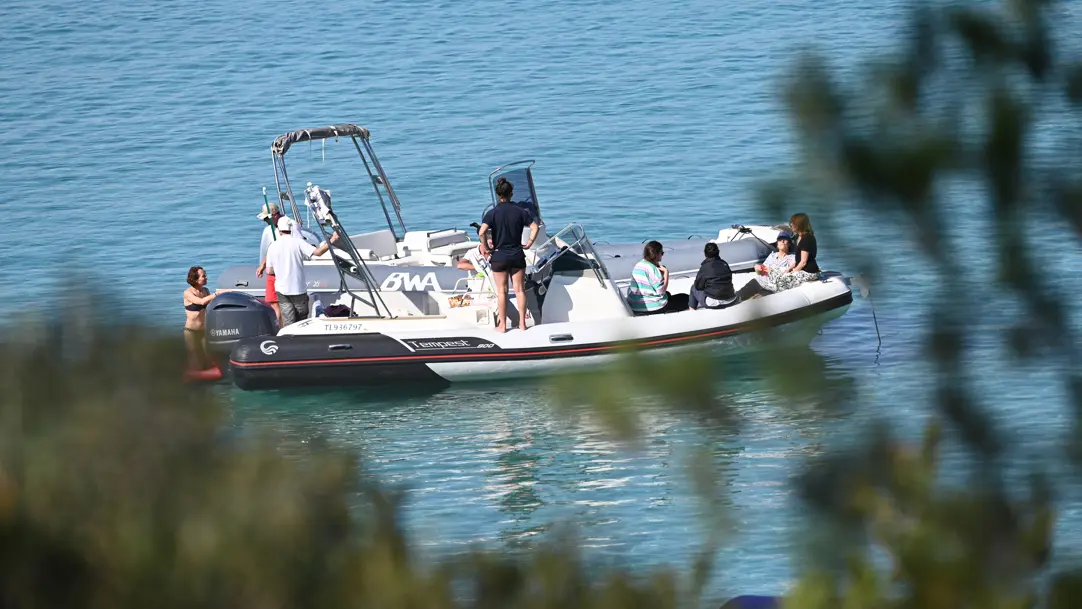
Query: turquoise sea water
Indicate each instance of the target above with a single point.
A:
(137, 139)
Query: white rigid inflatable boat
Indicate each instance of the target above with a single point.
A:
(577, 317)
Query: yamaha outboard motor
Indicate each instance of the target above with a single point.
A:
(232, 316)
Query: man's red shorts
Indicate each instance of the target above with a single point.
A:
(270, 295)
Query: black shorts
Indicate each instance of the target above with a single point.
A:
(507, 264)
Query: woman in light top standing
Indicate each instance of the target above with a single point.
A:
(196, 298)
(648, 292)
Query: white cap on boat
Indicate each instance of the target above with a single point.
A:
(265, 213)
(285, 224)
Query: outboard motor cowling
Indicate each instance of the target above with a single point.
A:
(232, 316)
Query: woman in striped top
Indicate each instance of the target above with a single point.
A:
(647, 293)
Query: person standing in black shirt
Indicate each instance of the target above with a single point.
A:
(507, 221)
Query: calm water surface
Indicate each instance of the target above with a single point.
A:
(137, 139)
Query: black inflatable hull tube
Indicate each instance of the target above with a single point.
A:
(277, 362)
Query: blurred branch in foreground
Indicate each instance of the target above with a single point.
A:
(961, 104)
(119, 488)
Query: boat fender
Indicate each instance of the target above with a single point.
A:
(203, 376)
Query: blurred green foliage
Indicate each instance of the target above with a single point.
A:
(119, 488)
(961, 103)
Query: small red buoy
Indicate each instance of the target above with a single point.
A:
(207, 375)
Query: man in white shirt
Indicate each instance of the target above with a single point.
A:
(285, 260)
(476, 260)
(268, 213)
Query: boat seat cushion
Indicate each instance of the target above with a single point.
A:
(453, 249)
(381, 244)
(445, 238)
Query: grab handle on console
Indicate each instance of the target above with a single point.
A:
(342, 347)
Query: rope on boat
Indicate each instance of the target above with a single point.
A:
(866, 292)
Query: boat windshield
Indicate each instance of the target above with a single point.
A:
(569, 250)
(518, 174)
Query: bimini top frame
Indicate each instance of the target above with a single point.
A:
(360, 138)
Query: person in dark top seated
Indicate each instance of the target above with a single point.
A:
(713, 288)
(506, 256)
(806, 247)
(804, 250)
